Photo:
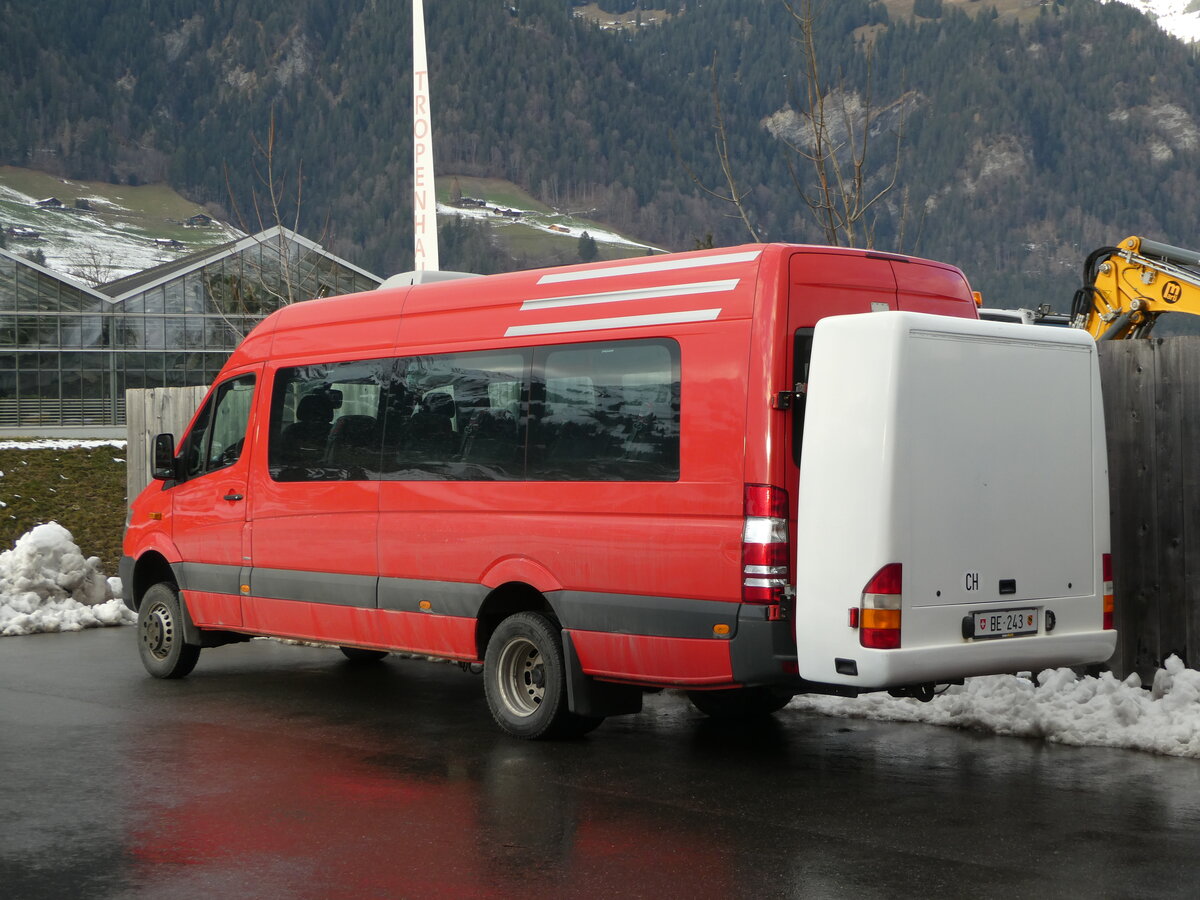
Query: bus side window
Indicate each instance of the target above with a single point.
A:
(326, 421)
(457, 417)
(606, 412)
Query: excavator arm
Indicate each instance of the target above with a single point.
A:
(1126, 288)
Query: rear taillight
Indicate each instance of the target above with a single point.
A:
(1107, 590)
(879, 624)
(766, 551)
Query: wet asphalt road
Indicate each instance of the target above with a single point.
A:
(283, 771)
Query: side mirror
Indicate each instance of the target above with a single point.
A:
(162, 464)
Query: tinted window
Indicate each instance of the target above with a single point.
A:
(601, 412)
(219, 432)
(326, 421)
(802, 356)
(606, 412)
(457, 416)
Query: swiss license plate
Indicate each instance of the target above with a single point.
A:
(999, 623)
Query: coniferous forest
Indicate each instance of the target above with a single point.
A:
(1022, 146)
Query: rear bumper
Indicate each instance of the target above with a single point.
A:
(763, 652)
(880, 669)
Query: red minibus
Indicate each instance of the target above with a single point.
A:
(586, 479)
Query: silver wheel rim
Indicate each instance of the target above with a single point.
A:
(158, 631)
(521, 677)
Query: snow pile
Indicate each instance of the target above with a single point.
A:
(47, 585)
(60, 444)
(1062, 708)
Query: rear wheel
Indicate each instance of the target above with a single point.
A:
(160, 634)
(739, 703)
(360, 655)
(525, 680)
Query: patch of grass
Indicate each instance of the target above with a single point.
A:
(496, 191)
(82, 489)
(153, 202)
(626, 21)
(520, 239)
(530, 243)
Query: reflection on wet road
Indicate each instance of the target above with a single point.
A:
(284, 771)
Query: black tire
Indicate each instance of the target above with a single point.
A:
(524, 678)
(161, 646)
(360, 655)
(740, 703)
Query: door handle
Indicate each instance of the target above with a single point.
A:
(233, 496)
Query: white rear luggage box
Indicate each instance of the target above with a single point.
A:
(972, 454)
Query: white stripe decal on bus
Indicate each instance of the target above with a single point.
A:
(670, 290)
(672, 318)
(669, 265)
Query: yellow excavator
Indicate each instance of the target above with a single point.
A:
(1126, 288)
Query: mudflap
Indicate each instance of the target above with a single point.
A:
(588, 697)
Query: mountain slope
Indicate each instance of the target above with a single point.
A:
(1180, 18)
(1027, 139)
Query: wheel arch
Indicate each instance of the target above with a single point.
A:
(503, 601)
(151, 568)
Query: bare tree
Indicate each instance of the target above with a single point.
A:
(284, 271)
(830, 135)
(732, 193)
(94, 266)
(838, 142)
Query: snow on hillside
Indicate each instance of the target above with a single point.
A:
(559, 225)
(1178, 17)
(95, 245)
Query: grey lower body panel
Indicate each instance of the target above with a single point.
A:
(675, 617)
(315, 587)
(446, 598)
(761, 651)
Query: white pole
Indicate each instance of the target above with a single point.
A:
(424, 198)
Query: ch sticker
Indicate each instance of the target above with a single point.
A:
(1172, 291)
(971, 581)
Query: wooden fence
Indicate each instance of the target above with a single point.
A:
(150, 412)
(1152, 415)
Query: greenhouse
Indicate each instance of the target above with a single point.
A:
(69, 352)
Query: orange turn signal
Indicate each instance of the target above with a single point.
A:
(881, 618)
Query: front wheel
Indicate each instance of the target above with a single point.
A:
(160, 634)
(739, 703)
(524, 678)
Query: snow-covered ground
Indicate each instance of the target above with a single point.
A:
(60, 444)
(46, 584)
(1178, 17)
(1059, 707)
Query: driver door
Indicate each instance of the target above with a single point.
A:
(209, 502)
